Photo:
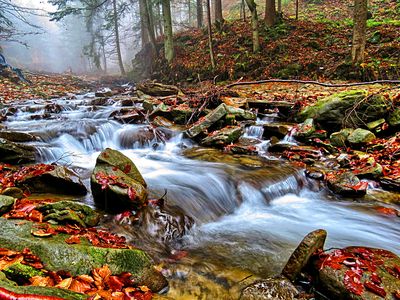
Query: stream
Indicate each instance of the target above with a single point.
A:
(249, 213)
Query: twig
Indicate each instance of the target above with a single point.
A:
(313, 82)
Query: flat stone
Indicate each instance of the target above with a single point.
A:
(272, 288)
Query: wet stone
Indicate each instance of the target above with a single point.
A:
(311, 243)
(279, 288)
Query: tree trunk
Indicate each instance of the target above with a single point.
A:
(297, 9)
(270, 12)
(218, 11)
(254, 24)
(103, 49)
(359, 31)
(168, 38)
(280, 8)
(210, 41)
(189, 12)
(117, 44)
(199, 9)
(243, 10)
(144, 35)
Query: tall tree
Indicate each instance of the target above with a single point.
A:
(199, 11)
(117, 41)
(210, 40)
(146, 26)
(359, 30)
(280, 8)
(270, 12)
(168, 38)
(254, 24)
(218, 12)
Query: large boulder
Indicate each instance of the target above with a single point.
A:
(6, 202)
(300, 257)
(349, 108)
(56, 179)
(358, 273)
(15, 136)
(278, 288)
(116, 183)
(80, 258)
(11, 152)
(394, 118)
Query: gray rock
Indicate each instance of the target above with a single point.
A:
(272, 288)
(223, 137)
(15, 136)
(300, 257)
(360, 136)
(11, 152)
(339, 138)
(157, 89)
(6, 202)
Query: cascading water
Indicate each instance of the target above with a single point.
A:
(249, 213)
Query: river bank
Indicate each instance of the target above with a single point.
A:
(251, 179)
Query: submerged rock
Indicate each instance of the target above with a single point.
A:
(311, 243)
(278, 288)
(79, 258)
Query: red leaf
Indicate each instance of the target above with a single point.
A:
(352, 281)
(73, 239)
(131, 193)
(115, 283)
(376, 289)
(127, 168)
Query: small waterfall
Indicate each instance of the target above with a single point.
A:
(254, 131)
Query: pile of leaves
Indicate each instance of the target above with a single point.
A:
(100, 284)
(361, 264)
(43, 86)
(105, 180)
(12, 176)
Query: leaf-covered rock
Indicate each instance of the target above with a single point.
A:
(223, 137)
(79, 258)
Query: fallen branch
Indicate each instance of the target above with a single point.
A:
(313, 82)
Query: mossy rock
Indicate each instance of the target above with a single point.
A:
(339, 138)
(70, 212)
(39, 290)
(223, 137)
(116, 159)
(79, 258)
(360, 136)
(11, 152)
(394, 118)
(21, 272)
(116, 198)
(6, 202)
(335, 111)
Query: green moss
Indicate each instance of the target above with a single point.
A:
(18, 272)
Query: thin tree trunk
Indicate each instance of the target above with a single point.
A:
(117, 44)
(189, 12)
(359, 30)
(254, 24)
(160, 19)
(270, 12)
(297, 9)
(243, 10)
(199, 9)
(280, 8)
(210, 40)
(168, 38)
(103, 49)
(144, 34)
(218, 11)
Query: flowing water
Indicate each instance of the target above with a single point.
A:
(249, 213)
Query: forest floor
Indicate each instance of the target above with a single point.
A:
(317, 46)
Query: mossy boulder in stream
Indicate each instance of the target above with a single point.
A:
(223, 137)
(116, 183)
(349, 108)
(360, 136)
(6, 202)
(81, 258)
